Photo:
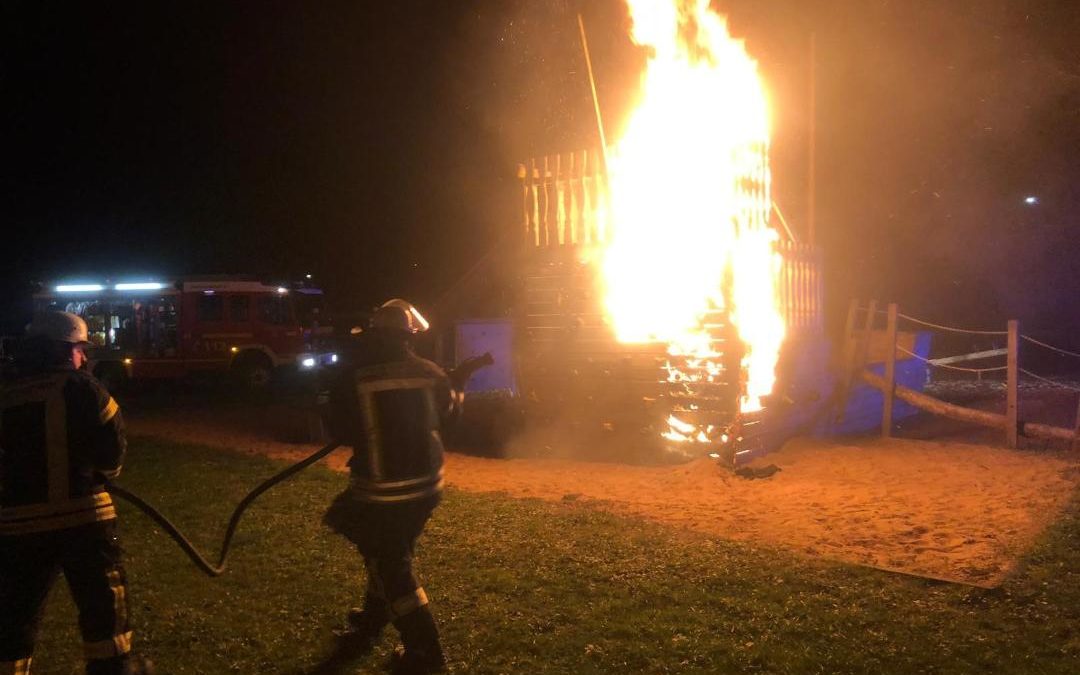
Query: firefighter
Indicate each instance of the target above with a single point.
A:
(389, 404)
(61, 435)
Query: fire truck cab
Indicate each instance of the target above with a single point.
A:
(234, 325)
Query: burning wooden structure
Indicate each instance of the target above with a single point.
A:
(657, 301)
(572, 368)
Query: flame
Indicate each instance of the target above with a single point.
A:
(689, 185)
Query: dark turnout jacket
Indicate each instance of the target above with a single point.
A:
(60, 433)
(389, 404)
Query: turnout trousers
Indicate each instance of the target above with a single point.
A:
(89, 556)
(385, 534)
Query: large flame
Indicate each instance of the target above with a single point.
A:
(689, 184)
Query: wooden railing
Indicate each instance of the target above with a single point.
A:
(801, 293)
(564, 200)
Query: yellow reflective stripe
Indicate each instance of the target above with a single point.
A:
(48, 524)
(116, 585)
(117, 645)
(395, 383)
(67, 506)
(109, 411)
(20, 667)
(56, 443)
(407, 604)
(374, 437)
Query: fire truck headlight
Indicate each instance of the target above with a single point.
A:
(308, 362)
(333, 358)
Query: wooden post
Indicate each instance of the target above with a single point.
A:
(864, 339)
(849, 332)
(1012, 382)
(536, 201)
(890, 373)
(522, 175)
(850, 366)
(547, 239)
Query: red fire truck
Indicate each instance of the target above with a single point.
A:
(236, 325)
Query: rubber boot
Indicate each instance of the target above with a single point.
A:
(139, 665)
(422, 652)
(367, 623)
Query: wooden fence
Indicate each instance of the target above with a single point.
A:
(856, 344)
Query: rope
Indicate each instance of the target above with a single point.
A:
(1048, 380)
(952, 329)
(1051, 347)
(960, 368)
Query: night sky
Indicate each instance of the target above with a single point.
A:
(373, 144)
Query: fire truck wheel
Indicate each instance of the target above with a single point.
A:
(253, 371)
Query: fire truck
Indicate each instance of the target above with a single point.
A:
(226, 325)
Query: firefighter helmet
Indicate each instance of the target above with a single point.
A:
(398, 314)
(59, 326)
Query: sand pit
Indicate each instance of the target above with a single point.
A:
(952, 511)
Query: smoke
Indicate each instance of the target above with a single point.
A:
(937, 120)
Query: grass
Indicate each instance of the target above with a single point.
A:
(523, 586)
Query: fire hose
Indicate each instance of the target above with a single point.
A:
(200, 561)
(459, 376)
